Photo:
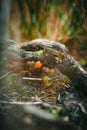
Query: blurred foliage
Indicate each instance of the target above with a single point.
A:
(61, 20)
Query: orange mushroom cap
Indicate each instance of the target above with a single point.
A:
(52, 71)
(37, 64)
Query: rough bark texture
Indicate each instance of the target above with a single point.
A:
(60, 57)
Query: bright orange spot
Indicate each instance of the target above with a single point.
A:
(52, 71)
(37, 65)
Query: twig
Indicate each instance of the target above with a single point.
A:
(29, 78)
(40, 79)
(21, 103)
(3, 76)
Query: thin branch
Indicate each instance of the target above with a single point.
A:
(3, 76)
(40, 79)
(21, 103)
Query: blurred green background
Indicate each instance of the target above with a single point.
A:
(61, 20)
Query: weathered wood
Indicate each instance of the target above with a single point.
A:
(59, 57)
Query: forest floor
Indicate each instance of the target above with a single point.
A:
(68, 110)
